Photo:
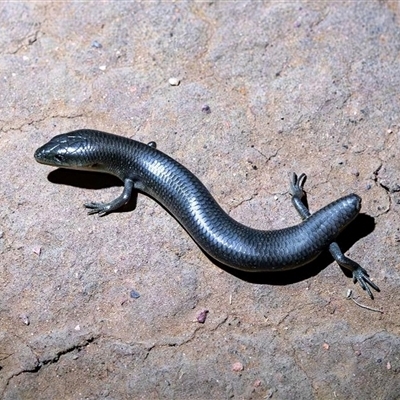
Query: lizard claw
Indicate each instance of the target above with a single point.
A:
(361, 276)
(297, 184)
(97, 208)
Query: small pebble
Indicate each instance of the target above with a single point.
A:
(174, 81)
(96, 44)
(201, 317)
(25, 319)
(206, 109)
(134, 294)
(102, 68)
(237, 367)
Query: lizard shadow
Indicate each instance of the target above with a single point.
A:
(362, 226)
(83, 179)
(90, 180)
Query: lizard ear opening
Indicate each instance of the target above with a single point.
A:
(59, 158)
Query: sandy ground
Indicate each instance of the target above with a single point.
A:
(266, 88)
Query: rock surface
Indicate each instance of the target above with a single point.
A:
(260, 89)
